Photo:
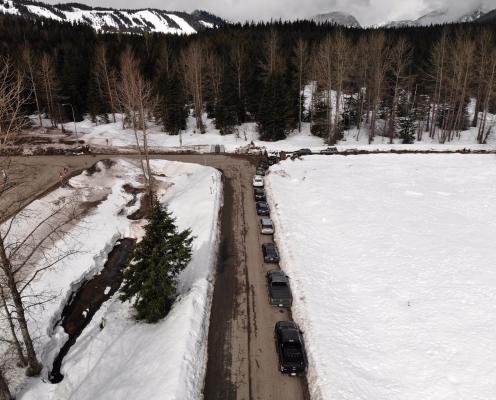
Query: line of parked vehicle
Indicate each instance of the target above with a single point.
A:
(288, 337)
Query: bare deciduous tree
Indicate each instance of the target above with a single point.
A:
(378, 64)
(12, 99)
(214, 74)
(438, 60)
(139, 101)
(490, 80)
(49, 85)
(105, 77)
(323, 70)
(31, 67)
(341, 55)
(192, 62)
(24, 257)
(11, 322)
(4, 387)
(482, 69)
(238, 59)
(300, 56)
(400, 59)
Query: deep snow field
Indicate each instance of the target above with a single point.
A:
(391, 261)
(127, 359)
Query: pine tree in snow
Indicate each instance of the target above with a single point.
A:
(151, 277)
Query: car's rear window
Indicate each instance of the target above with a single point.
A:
(292, 351)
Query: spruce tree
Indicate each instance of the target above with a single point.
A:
(226, 113)
(407, 130)
(172, 109)
(150, 278)
(274, 117)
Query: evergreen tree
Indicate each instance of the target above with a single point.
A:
(319, 126)
(150, 278)
(407, 127)
(97, 106)
(227, 112)
(172, 110)
(274, 117)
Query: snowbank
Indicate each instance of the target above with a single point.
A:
(391, 263)
(126, 359)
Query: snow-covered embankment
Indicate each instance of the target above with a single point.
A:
(126, 359)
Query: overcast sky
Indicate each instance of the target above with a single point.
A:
(368, 12)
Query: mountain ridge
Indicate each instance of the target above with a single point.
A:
(441, 16)
(107, 19)
(338, 18)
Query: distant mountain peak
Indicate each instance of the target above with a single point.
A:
(442, 16)
(338, 18)
(105, 19)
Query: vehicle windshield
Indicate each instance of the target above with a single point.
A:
(279, 284)
(262, 205)
(292, 352)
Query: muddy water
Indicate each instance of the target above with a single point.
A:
(84, 303)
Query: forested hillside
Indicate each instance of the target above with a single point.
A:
(404, 82)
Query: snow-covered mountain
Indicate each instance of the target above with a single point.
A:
(441, 16)
(489, 18)
(338, 18)
(112, 20)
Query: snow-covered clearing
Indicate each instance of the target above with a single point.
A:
(112, 135)
(126, 359)
(391, 260)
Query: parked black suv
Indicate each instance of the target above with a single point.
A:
(259, 194)
(262, 208)
(290, 348)
(260, 171)
(270, 253)
(273, 160)
(263, 164)
(278, 288)
(303, 152)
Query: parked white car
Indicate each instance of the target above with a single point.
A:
(266, 226)
(258, 181)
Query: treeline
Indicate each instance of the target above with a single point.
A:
(405, 82)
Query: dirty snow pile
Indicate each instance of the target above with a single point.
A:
(127, 359)
(391, 261)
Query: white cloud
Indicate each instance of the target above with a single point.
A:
(366, 11)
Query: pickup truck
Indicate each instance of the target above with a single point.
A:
(279, 290)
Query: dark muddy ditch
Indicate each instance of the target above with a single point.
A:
(84, 303)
